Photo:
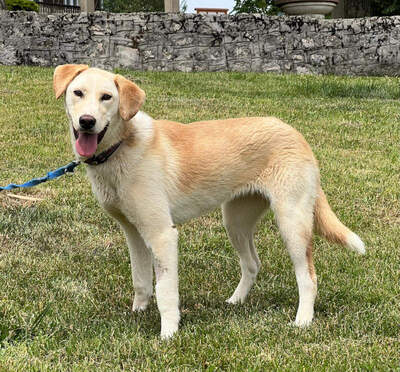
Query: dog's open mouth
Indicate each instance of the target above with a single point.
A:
(86, 142)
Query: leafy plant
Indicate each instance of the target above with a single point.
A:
(385, 7)
(255, 6)
(22, 5)
(128, 6)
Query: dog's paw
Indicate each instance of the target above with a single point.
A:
(232, 301)
(140, 305)
(137, 308)
(169, 323)
(302, 323)
(168, 331)
(235, 300)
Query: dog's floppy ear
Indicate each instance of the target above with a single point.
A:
(63, 75)
(131, 97)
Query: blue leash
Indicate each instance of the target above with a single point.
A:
(69, 168)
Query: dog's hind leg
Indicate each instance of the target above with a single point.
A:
(295, 219)
(240, 217)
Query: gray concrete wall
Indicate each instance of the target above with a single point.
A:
(198, 42)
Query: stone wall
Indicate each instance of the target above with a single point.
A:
(198, 42)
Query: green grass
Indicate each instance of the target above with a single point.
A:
(65, 284)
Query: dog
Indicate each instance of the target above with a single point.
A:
(151, 175)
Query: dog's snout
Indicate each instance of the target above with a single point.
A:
(87, 122)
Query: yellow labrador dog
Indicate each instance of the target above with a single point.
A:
(152, 174)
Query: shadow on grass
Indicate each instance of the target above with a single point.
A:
(197, 310)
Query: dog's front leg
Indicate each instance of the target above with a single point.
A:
(141, 266)
(164, 245)
(149, 212)
(141, 262)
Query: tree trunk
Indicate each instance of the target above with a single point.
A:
(2, 4)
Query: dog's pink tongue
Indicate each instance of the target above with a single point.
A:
(86, 144)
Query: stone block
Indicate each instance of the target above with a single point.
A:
(9, 55)
(149, 54)
(238, 65)
(271, 66)
(211, 55)
(182, 40)
(238, 51)
(183, 66)
(127, 57)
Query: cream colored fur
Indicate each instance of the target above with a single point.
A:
(165, 173)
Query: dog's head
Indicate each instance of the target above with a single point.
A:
(98, 103)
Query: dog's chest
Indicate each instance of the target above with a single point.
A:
(106, 185)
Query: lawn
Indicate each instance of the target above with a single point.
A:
(65, 284)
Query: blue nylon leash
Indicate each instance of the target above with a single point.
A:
(69, 168)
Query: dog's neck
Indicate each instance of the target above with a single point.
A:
(104, 156)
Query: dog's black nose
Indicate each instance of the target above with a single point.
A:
(87, 122)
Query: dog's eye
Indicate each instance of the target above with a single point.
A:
(105, 97)
(78, 93)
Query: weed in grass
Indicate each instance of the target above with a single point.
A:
(12, 335)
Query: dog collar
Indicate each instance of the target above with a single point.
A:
(103, 157)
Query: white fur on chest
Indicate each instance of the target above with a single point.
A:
(106, 184)
(112, 179)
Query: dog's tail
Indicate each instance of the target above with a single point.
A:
(329, 226)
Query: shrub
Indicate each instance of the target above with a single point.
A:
(22, 5)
